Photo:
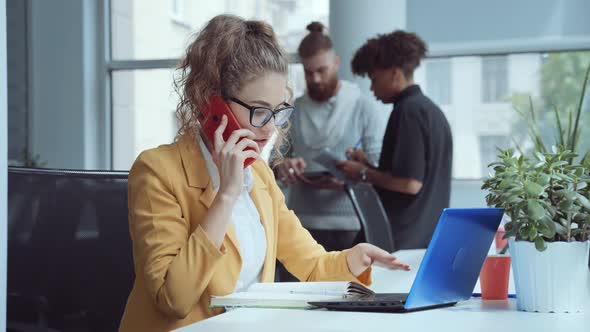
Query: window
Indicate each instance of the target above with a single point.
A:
(142, 29)
(177, 13)
(494, 78)
(488, 147)
(480, 123)
(477, 93)
(438, 80)
(148, 37)
(143, 113)
(176, 8)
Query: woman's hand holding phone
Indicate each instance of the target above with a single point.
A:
(229, 156)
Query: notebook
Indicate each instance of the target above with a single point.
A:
(294, 295)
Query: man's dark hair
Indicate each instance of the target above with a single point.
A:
(315, 42)
(397, 49)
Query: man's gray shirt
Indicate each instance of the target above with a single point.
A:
(337, 124)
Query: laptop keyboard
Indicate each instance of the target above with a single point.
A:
(394, 298)
(373, 303)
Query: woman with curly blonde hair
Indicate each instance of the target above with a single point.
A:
(200, 223)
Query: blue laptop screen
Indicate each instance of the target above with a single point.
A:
(450, 268)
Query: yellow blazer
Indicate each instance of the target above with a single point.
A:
(177, 267)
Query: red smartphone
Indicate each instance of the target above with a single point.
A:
(210, 118)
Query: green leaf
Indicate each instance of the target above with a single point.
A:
(549, 228)
(515, 190)
(583, 200)
(543, 179)
(566, 205)
(540, 156)
(560, 229)
(505, 184)
(560, 130)
(568, 194)
(569, 155)
(560, 163)
(511, 231)
(535, 210)
(540, 244)
(513, 199)
(563, 177)
(579, 110)
(532, 110)
(586, 160)
(532, 233)
(534, 189)
(580, 217)
(570, 124)
(523, 233)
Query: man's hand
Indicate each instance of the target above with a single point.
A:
(357, 155)
(352, 169)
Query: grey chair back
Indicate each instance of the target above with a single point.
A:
(372, 216)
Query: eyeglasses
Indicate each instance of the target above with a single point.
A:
(260, 116)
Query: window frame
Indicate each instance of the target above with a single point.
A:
(112, 65)
(443, 51)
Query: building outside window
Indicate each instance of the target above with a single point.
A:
(484, 91)
(494, 78)
(438, 80)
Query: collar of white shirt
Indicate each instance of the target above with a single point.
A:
(214, 172)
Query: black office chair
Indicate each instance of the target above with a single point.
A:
(372, 216)
(70, 265)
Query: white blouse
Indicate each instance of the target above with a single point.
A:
(247, 224)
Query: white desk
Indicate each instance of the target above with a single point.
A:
(387, 281)
(472, 315)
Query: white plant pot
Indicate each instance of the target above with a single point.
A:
(554, 280)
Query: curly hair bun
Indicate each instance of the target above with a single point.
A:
(315, 27)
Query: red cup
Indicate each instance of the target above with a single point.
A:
(494, 277)
(500, 242)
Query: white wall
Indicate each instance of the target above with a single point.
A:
(64, 84)
(466, 163)
(3, 155)
(352, 22)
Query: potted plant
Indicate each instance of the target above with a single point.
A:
(546, 197)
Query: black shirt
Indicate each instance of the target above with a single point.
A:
(418, 145)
